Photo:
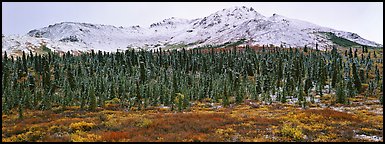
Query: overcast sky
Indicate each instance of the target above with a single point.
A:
(365, 19)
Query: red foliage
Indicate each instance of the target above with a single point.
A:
(217, 119)
(114, 136)
(179, 127)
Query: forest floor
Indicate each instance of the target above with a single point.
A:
(251, 121)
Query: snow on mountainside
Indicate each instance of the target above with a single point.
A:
(15, 45)
(227, 25)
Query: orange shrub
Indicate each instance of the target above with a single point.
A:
(114, 136)
(82, 126)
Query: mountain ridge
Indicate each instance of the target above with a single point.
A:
(223, 26)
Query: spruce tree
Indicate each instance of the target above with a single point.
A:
(362, 76)
(350, 52)
(142, 73)
(349, 86)
(340, 93)
(357, 81)
(374, 54)
(308, 85)
(305, 49)
(91, 94)
(301, 99)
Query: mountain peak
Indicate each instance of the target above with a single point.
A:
(170, 21)
(240, 12)
(239, 9)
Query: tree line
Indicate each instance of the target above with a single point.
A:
(176, 78)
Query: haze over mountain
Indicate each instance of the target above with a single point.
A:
(236, 24)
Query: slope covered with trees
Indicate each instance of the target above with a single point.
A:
(263, 78)
(177, 78)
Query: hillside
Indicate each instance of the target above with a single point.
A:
(225, 26)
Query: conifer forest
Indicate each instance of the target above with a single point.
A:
(256, 93)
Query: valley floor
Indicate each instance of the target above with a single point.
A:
(250, 121)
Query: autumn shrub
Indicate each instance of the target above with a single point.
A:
(33, 120)
(56, 129)
(177, 127)
(81, 136)
(111, 136)
(102, 117)
(113, 101)
(292, 132)
(143, 122)
(225, 133)
(112, 124)
(81, 126)
(16, 138)
(369, 131)
(67, 121)
(197, 137)
(112, 104)
(37, 128)
(19, 129)
(32, 135)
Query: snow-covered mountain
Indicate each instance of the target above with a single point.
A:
(224, 26)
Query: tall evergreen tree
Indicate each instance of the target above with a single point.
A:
(357, 81)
